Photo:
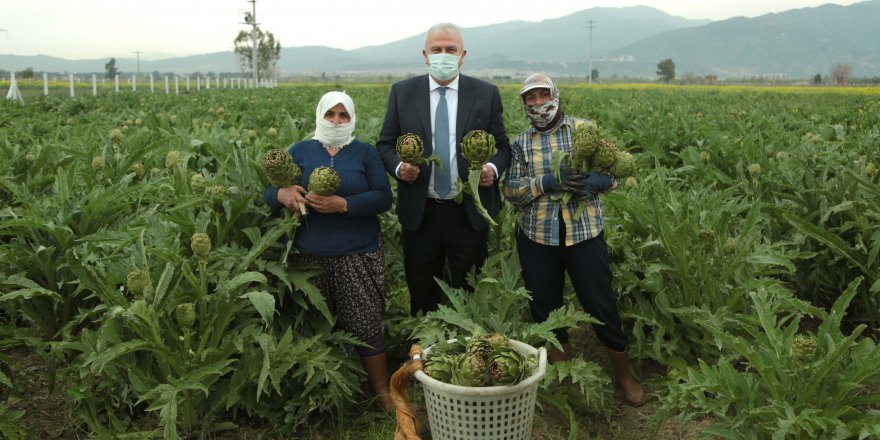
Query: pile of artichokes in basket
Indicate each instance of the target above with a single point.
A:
(487, 360)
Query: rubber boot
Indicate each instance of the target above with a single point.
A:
(555, 355)
(633, 394)
(377, 376)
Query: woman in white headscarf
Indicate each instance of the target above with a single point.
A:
(551, 240)
(341, 234)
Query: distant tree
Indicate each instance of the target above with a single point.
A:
(666, 70)
(594, 75)
(111, 69)
(841, 73)
(817, 80)
(268, 52)
(26, 73)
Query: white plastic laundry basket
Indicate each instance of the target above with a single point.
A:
(483, 413)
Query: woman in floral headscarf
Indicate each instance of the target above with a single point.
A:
(550, 241)
(341, 234)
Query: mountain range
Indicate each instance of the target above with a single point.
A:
(626, 41)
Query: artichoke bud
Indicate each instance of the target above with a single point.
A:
(197, 182)
(137, 281)
(440, 366)
(479, 348)
(280, 168)
(272, 132)
(201, 244)
(870, 169)
(705, 156)
(98, 163)
(803, 348)
(470, 371)
(630, 182)
(755, 169)
(707, 237)
(324, 181)
(149, 293)
(186, 315)
(410, 149)
(138, 169)
(507, 366)
(29, 157)
(606, 154)
(624, 165)
(496, 340)
(216, 190)
(585, 140)
(173, 159)
(116, 135)
(729, 245)
(478, 147)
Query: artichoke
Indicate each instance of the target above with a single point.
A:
(116, 135)
(324, 181)
(585, 140)
(173, 159)
(803, 348)
(605, 155)
(508, 366)
(624, 166)
(448, 348)
(138, 169)
(98, 163)
(470, 371)
(409, 148)
(478, 147)
(479, 348)
(197, 182)
(440, 366)
(201, 244)
(137, 281)
(280, 168)
(496, 340)
(186, 315)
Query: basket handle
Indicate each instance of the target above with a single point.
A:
(407, 423)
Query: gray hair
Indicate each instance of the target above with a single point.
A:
(442, 28)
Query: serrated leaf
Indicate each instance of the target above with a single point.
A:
(264, 302)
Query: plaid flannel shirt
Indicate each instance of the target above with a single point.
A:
(538, 212)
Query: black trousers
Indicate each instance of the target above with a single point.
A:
(445, 235)
(544, 268)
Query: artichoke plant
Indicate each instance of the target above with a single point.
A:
(324, 181)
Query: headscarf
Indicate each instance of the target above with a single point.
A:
(546, 116)
(327, 132)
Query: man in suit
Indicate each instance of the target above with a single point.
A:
(436, 229)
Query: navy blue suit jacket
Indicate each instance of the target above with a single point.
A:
(409, 111)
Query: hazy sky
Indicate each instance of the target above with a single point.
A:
(84, 29)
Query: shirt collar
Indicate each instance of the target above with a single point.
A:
(434, 86)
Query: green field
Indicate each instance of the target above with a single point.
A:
(745, 257)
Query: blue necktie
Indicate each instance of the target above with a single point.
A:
(442, 179)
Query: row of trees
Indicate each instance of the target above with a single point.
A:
(840, 73)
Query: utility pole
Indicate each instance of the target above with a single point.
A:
(590, 68)
(253, 22)
(138, 61)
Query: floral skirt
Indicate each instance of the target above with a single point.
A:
(354, 288)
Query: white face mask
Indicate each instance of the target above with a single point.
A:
(334, 135)
(443, 66)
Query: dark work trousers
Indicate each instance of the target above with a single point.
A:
(445, 234)
(544, 268)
